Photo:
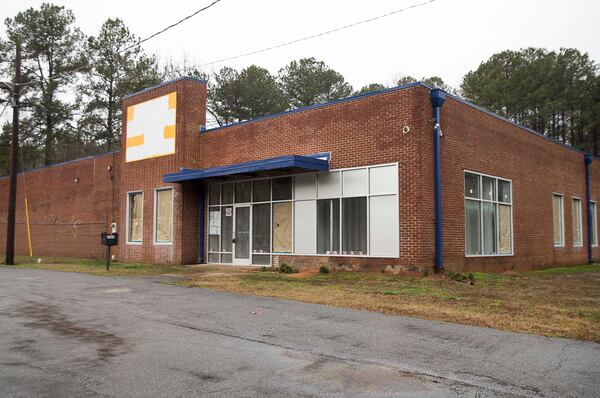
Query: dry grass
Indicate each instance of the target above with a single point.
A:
(97, 267)
(562, 302)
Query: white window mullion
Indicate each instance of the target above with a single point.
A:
(476, 201)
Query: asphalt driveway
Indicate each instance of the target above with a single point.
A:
(67, 334)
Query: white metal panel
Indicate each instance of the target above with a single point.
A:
(329, 185)
(148, 124)
(383, 228)
(355, 182)
(383, 180)
(305, 227)
(305, 186)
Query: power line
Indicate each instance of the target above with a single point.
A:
(170, 26)
(3, 109)
(364, 21)
(139, 42)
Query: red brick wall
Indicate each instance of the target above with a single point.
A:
(359, 132)
(474, 140)
(147, 175)
(66, 216)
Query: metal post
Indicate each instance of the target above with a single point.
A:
(437, 100)
(107, 254)
(588, 205)
(28, 226)
(202, 194)
(14, 146)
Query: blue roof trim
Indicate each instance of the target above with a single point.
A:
(320, 155)
(386, 90)
(317, 106)
(164, 84)
(296, 161)
(57, 164)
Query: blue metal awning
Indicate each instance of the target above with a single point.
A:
(290, 163)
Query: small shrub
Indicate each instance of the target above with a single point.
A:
(461, 277)
(286, 269)
(323, 269)
(263, 268)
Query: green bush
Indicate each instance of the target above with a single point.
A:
(286, 269)
(461, 276)
(323, 269)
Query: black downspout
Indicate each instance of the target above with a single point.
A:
(437, 100)
(588, 204)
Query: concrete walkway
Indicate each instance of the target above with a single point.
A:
(67, 334)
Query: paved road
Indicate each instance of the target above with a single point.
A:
(66, 334)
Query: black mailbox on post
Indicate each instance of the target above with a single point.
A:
(109, 239)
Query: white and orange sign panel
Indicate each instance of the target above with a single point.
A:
(151, 128)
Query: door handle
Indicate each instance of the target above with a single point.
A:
(233, 240)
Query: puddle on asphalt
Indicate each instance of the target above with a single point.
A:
(49, 317)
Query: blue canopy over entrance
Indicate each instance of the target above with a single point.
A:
(291, 163)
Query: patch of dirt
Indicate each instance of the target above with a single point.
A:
(303, 274)
(215, 274)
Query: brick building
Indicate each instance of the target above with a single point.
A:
(403, 178)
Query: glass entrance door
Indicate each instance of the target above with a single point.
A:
(241, 233)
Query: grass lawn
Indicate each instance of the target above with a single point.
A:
(96, 267)
(562, 302)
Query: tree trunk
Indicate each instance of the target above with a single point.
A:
(109, 124)
(49, 140)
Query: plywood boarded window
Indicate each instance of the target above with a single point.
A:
(557, 219)
(505, 229)
(164, 216)
(577, 222)
(135, 217)
(594, 220)
(282, 227)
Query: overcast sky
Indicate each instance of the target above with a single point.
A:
(446, 38)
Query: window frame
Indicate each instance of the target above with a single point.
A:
(331, 226)
(497, 203)
(339, 195)
(594, 225)
(561, 218)
(128, 219)
(155, 216)
(580, 221)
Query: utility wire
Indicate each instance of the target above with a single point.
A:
(4, 109)
(314, 36)
(140, 41)
(170, 26)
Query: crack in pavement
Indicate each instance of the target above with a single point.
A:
(472, 379)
